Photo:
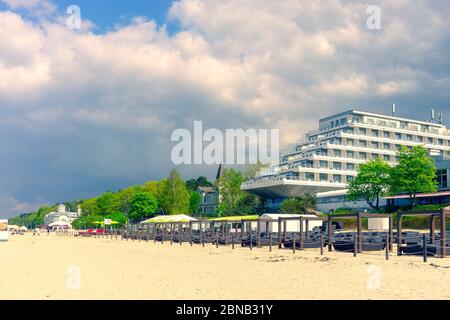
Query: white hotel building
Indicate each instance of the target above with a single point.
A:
(327, 158)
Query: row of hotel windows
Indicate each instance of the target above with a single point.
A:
(384, 123)
(397, 136)
(356, 155)
(325, 177)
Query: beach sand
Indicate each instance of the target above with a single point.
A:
(46, 267)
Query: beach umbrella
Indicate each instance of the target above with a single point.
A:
(175, 219)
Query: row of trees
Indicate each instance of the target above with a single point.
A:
(170, 196)
(414, 173)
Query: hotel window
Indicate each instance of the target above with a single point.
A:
(430, 140)
(350, 130)
(363, 155)
(323, 177)
(440, 142)
(350, 142)
(387, 158)
(355, 119)
(337, 153)
(398, 136)
(374, 145)
(374, 155)
(350, 166)
(337, 178)
(408, 137)
(362, 131)
(323, 164)
(309, 176)
(419, 138)
(387, 146)
(374, 133)
(350, 178)
(362, 143)
(336, 165)
(350, 154)
(370, 121)
(397, 147)
(386, 134)
(442, 178)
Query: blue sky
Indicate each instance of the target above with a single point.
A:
(85, 111)
(107, 13)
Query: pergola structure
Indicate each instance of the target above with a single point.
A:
(359, 216)
(441, 214)
(282, 228)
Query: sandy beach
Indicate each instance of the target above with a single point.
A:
(55, 267)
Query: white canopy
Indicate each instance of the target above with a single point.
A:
(59, 224)
(167, 219)
(23, 228)
(291, 225)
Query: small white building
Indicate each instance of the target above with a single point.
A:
(291, 225)
(61, 215)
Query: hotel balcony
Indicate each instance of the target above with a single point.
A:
(282, 186)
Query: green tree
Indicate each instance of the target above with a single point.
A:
(299, 205)
(118, 217)
(193, 184)
(173, 194)
(143, 205)
(415, 172)
(195, 202)
(292, 205)
(371, 183)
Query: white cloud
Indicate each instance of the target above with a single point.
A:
(95, 111)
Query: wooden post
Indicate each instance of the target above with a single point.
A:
(330, 240)
(232, 240)
(355, 244)
(360, 237)
(425, 248)
(164, 229)
(251, 235)
(226, 233)
(171, 234)
(270, 242)
(213, 232)
(217, 240)
(306, 228)
(443, 233)
(279, 233)
(267, 229)
(301, 233)
(284, 230)
(242, 232)
(387, 245)
(258, 233)
(391, 233)
(293, 243)
(432, 227)
(399, 234)
(321, 244)
(190, 233)
(180, 233)
(202, 232)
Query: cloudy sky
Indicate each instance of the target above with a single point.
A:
(90, 110)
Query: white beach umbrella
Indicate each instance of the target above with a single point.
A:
(167, 219)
